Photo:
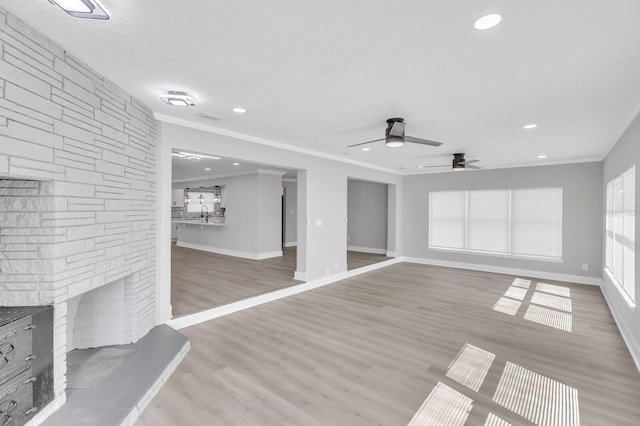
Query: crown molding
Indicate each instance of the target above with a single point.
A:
(249, 138)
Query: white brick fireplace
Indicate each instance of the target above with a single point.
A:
(77, 196)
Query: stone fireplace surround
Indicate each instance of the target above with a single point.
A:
(45, 261)
(77, 195)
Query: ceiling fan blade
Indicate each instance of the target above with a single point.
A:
(364, 143)
(397, 129)
(467, 162)
(440, 165)
(421, 141)
(472, 167)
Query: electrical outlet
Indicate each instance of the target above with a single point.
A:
(336, 263)
(585, 267)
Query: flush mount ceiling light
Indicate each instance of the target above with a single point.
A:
(208, 169)
(487, 21)
(529, 126)
(239, 110)
(542, 156)
(88, 9)
(394, 141)
(366, 149)
(178, 99)
(192, 156)
(236, 164)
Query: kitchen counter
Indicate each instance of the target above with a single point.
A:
(197, 222)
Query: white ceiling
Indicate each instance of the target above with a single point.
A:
(324, 75)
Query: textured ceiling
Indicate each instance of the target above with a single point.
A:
(324, 75)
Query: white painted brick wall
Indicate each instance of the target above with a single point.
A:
(91, 219)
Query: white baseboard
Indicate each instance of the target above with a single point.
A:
(291, 244)
(367, 250)
(300, 276)
(632, 344)
(227, 252)
(269, 255)
(508, 271)
(391, 254)
(198, 317)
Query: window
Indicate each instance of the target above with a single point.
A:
(620, 232)
(512, 222)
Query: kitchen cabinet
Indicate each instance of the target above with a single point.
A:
(177, 198)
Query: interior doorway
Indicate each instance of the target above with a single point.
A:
(367, 223)
(237, 247)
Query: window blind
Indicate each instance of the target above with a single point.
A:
(447, 219)
(537, 222)
(521, 222)
(620, 231)
(488, 221)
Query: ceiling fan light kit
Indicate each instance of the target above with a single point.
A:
(395, 137)
(458, 163)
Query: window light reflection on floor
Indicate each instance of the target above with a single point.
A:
(470, 366)
(539, 399)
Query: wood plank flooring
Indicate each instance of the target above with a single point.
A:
(202, 280)
(370, 349)
(357, 259)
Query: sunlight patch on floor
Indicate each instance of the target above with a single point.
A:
(549, 317)
(493, 420)
(554, 289)
(507, 306)
(443, 406)
(470, 366)
(516, 293)
(539, 399)
(521, 282)
(552, 301)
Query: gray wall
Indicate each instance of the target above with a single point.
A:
(291, 212)
(269, 213)
(367, 216)
(582, 214)
(622, 156)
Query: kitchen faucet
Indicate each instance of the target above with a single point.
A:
(206, 218)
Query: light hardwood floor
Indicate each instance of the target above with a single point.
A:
(357, 259)
(370, 349)
(202, 280)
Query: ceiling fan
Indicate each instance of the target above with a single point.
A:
(395, 136)
(458, 163)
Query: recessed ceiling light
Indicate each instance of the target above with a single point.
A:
(191, 156)
(207, 169)
(88, 9)
(487, 21)
(529, 126)
(178, 99)
(239, 110)
(236, 164)
(366, 149)
(542, 156)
